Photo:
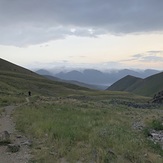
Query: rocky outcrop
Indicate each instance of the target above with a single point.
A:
(158, 98)
(133, 104)
(156, 137)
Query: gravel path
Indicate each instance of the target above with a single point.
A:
(7, 124)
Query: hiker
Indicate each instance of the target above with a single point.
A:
(29, 93)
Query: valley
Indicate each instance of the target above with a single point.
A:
(67, 123)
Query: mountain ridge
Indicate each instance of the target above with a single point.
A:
(146, 87)
(96, 77)
(122, 84)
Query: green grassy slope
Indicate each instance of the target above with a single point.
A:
(150, 85)
(8, 66)
(124, 83)
(146, 87)
(17, 81)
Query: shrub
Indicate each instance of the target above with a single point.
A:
(157, 125)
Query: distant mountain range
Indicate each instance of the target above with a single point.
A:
(146, 87)
(98, 78)
(96, 87)
(17, 80)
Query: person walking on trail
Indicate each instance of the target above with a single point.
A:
(29, 93)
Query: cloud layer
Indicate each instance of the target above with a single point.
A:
(25, 22)
(150, 56)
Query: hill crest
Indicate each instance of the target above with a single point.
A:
(124, 83)
(11, 67)
(146, 87)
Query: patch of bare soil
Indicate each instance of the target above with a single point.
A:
(14, 147)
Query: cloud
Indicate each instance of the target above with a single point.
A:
(36, 21)
(67, 65)
(149, 56)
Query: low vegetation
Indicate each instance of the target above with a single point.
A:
(68, 123)
(1, 111)
(11, 99)
(87, 129)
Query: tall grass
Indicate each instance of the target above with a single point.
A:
(77, 131)
(12, 99)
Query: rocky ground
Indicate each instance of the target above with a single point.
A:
(158, 98)
(14, 147)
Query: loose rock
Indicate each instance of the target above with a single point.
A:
(158, 98)
(13, 148)
(4, 138)
(28, 143)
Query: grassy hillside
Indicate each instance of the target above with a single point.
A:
(124, 83)
(8, 66)
(16, 81)
(72, 124)
(150, 85)
(146, 87)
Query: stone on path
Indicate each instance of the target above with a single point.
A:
(4, 138)
(13, 148)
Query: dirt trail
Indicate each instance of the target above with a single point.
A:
(7, 124)
(27, 99)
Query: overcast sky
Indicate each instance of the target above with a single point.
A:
(99, 34)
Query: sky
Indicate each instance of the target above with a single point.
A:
(65, 34)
